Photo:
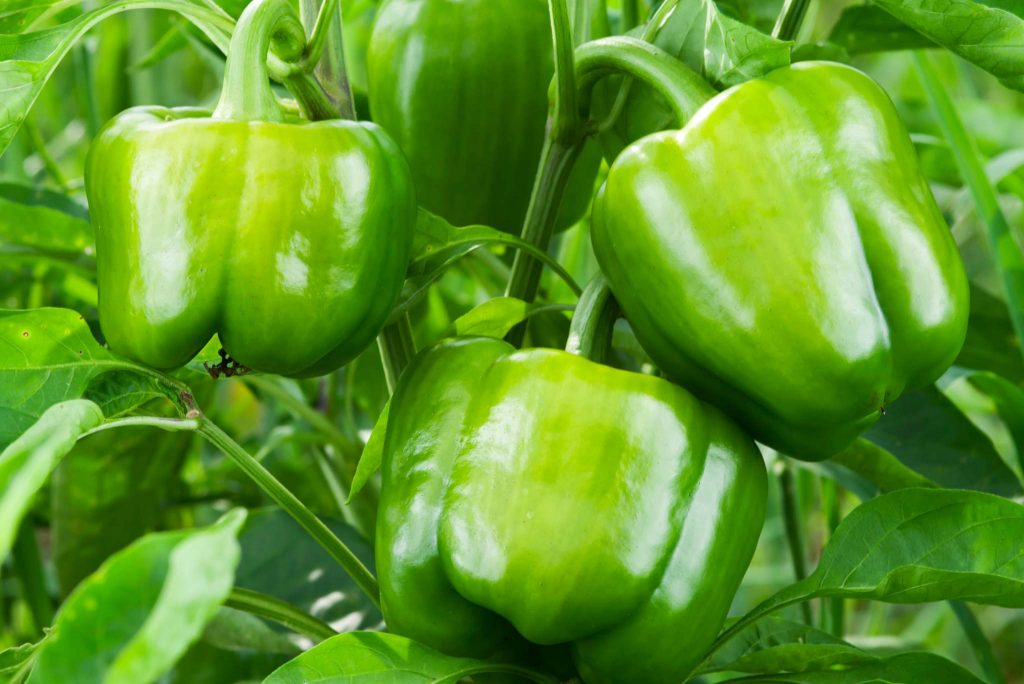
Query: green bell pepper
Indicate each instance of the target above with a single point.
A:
(463, 88)
(288, 238)
(782, 257)
(538, 493)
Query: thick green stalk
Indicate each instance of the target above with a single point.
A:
(324, 57)
(563, 142)
(685, 92)
(787, 26)
(247, 95)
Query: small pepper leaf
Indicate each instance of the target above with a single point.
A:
(372, 456)
(367, 657)
(26, 464)
(15, 661)
(131, 620)
(493, 318)
(905, 668)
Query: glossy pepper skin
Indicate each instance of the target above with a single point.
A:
(782, 257)
(539, 493)
(462, 86)
(288, 239)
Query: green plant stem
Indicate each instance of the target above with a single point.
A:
(979, 644)
(629, 15)
(557, 161)
(323, 62)
(397, 347)
(170, 424)
(40, 148)
(246, 95)
(685, 92)
(835, 608)
(281, 612)
(787, 26)
(590, 333)
(563, 143)
(291, 504)
(794, 530)
(28, 568)
(1007, 255)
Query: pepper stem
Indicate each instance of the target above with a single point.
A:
(681, 86)
(247, 95)
(590, 333)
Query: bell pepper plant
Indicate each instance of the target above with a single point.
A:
(298, 382)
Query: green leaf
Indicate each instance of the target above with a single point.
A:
(725, 51)
(109, 491)
(991, 343)
(862, 29)
(916, 546)
(132, 619)
(778, 645)
(48, 356)
(493, 318)
(906, 668)
(14, 659)
(990, 37)
(373, 657)
(437, 242)
(281, 560)
(235, 630)
(931, 436)
(879, 467)
(1009, 401)
(28, 60)
(373, 454)
(26, 464)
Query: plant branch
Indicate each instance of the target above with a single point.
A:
(281, 612)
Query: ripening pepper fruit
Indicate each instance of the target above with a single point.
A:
(287, 238)
(540, 495)
(782, 257)
(462, 86)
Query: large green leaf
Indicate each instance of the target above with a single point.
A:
(48, 356)
(775, 644)
(862, 29)
(906, 668)
(109, 491)
(991, 343)
(931, 436)
(130, 621)
(722, 50)
(376, 658)
(990, 37)
(26, 464)
(917, 546)
(279, 559)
